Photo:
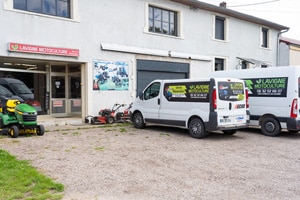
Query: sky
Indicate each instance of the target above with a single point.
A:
(283, 12)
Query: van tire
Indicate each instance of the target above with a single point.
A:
(197, 129)
(229, 132)
(138, 120)
(270, 127)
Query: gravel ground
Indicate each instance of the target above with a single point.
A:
(120, 162)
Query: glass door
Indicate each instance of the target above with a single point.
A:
(74, 90)
(58, 94)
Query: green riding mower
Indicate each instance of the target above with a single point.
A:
(19, 118)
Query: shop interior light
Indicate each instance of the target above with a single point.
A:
(25, 65)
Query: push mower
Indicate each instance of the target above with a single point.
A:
(110, 116)
(19, 118)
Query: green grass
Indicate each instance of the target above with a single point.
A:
(100, 148)
(19, 180)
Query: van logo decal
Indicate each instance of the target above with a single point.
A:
(239, 106)
(239, 118)
(189, 91)
(266, 87)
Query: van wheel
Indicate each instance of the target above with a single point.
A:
(270, 127)
(197, 129)
(229, 132)
(138, 120)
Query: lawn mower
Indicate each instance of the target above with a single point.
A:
(19, 118)
(110, 116)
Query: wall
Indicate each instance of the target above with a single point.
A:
(294, 55)
(123, 23)
(284, 54)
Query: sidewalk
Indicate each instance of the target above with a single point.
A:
(48, 120)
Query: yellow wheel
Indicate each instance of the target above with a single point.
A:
(14, 131)
(40, 130)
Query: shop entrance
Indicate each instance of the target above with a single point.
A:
(56, 86)
(65, 91)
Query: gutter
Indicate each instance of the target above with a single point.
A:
(278, 41)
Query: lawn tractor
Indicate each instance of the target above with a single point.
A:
(19, 118)
(110, 116)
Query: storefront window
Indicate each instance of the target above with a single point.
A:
(58, 68)
(58, 86)
(75, 88)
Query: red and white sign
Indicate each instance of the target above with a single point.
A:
(57, 103)
(77, 103)
(27, 48)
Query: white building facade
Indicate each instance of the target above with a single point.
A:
(80, 56)
(289, 52)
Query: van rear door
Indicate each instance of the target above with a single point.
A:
(230, 96)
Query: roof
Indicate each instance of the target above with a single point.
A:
(289, 41)
(252, 61)
(225, 11)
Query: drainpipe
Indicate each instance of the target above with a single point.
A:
(278, 36)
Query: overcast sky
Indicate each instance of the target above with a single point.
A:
(284, 12)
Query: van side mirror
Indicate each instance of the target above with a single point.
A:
(141, 96)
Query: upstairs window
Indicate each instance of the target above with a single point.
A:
(219, 28)
(245, 65)
(219, 64)
(265, 37)
(59, 8)
(162, 21)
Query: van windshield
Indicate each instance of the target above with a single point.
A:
(21, 88)
(5, 92)
(231, 91)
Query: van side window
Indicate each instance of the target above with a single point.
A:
(231, 91)
(152, 91)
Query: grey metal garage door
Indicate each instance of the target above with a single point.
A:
(149, 70)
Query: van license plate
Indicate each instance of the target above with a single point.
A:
(225, 120)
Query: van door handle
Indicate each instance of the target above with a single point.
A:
(158, 101)
(230, 105)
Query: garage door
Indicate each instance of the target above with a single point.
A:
(149, 70)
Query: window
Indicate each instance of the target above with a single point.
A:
(162, 21)
(230, 91)
(60, 8)
(264, 66)
(265, 37)
(219, 64)
(152, 91)
(245, 65)
(219, 28)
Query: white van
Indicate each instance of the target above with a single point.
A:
(273, 97)
(200, 105)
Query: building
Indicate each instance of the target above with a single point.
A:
(80, 56)
(289, 53)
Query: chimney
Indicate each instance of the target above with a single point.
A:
(223, 4)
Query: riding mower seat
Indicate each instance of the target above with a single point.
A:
(11, 105)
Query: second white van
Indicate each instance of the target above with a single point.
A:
(199, 105)
(274, 96)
